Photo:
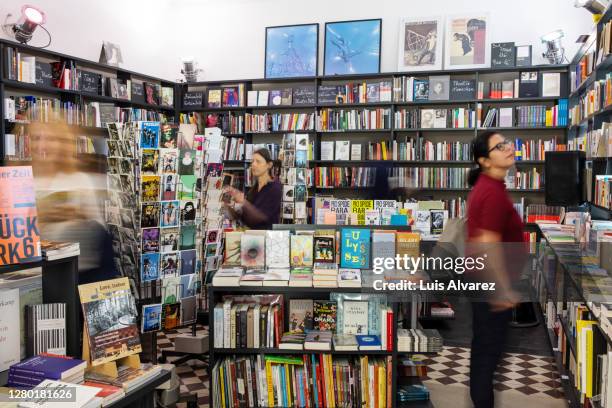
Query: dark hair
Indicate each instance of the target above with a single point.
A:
(265, 153)
(480, 148)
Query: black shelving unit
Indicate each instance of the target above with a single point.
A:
(76, 96)
(215, 293)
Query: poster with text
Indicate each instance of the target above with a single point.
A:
(20, 241)
(467, 42)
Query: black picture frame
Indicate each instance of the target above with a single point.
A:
(353, 21)
(520, 62)
(316, 68)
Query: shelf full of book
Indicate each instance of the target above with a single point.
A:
(42, 86)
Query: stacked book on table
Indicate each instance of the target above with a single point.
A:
(419, 340)
(58, 250)
(32, 371)
(325, 275)
(128, 378)
(83, 396)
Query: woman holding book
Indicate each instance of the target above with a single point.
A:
(495, 231)
(261, 206)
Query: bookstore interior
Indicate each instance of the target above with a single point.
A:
(419, 216)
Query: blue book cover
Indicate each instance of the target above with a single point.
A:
(149, 135)
(398, 219)
(368, 341)
(283, 387)
(355, 248)
(47, 366)
(314, 382)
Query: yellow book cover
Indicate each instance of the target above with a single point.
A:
(365, 381)
(549, 117)
(589, 362)
(288, 382)
(581, 352)
(382, 387)
(407, 243)
(110, 320)
(359, 207)
(384, 150)
(330, 374)
(222, 385)
(270, 385)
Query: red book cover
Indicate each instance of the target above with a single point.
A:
(105, 389)
(233, 374)
(321, 382)
(305, 382)
(389, 381)
(390, 333)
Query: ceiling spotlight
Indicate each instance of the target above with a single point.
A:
(31, 17)
(555, 53)
(594, 6)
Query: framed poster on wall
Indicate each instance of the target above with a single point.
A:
(420, 44)
(467, 41)
(292, 51)
(352, 47)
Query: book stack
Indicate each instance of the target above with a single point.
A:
(84, 396)
(58, 250)
(419, 340)
(349, 278)
(441, 310)
(413, 392)
(315, 380)
(108, 393)
(249, 325)
(128, 378)
(32, 371)
(325, 277)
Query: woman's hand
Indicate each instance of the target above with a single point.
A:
(237, 195)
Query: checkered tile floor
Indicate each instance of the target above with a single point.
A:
(525, 373)
(194, 377)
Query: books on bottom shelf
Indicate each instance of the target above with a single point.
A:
(419, 340)
(305, 380)
(412, 392)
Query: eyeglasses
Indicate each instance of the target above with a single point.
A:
(501, 146)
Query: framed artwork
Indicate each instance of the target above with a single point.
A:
(352, 47)
(420, 44)
(467, 42)
(292, 51)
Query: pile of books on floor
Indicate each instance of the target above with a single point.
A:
(315, 380)
(413, 392)
(419, 340)
(57, 250)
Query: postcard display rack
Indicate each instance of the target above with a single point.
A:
(294, 177)
(153, 213)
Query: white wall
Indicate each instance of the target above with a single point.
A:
(227, 36)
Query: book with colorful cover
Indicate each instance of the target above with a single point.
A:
(252, 249)
(324, 248)
(301, 250)
(360, 207)
(18, 205)
(232, 248)
(324, 312)
(300, 315)
(355, 248)
(50, 367)
(368, 342)
(105, 304)
(407, 243)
